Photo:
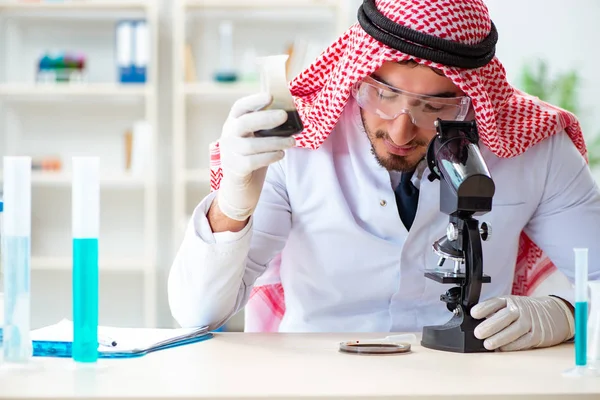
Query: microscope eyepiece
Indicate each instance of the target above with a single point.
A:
(453, 157)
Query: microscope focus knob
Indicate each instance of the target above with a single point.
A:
(452, 298)
(451, 232)
(486, 231)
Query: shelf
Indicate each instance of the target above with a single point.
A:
(58, 179)
(94, 117)
(110, 264)
(76, 10)
(260, 4)
(24, 91)
(268, 12)
(216, 90)
(75, 5)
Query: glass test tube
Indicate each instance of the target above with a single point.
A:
(86, 223)
(226, 71)
(581, 305)
(16, 254)
(593, 327)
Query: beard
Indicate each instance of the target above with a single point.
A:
(394, 162)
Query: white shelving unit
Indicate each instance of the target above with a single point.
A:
(89, 118)
(201, 104)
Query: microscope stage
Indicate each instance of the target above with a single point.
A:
(452, 277)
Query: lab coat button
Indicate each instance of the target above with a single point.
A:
(383, 203)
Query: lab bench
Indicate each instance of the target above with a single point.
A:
(255, 366)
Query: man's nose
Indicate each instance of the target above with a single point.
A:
(402, 129)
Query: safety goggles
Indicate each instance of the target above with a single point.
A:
(389, 103)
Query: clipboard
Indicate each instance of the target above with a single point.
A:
(57, 340)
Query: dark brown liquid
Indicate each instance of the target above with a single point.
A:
(292, 126)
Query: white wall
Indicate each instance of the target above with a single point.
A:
(564, 35)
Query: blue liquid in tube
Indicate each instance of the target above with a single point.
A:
(581, 315)
(17, 346)
(85, 300)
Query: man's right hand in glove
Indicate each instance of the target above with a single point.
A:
(244, 161)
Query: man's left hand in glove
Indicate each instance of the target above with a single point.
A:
(519, 323)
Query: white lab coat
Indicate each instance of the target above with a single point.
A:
(348, 263)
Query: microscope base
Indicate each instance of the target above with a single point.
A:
(455, 335)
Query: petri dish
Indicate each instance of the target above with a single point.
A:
(374, 347)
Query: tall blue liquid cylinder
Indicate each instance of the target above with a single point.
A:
(16, 345)
(581, 315)
(86, 226)
(85, 300)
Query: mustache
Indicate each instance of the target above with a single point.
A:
(415, 142)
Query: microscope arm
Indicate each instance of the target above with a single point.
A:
(473, 263)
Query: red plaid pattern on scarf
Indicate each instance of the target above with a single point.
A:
(509, 121)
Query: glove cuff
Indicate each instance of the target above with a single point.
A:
(232, 212)
(568, 313)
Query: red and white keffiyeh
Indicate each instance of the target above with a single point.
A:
(509, 121)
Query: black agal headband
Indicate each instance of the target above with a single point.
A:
(425, 46)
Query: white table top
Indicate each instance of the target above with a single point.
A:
(294, 366)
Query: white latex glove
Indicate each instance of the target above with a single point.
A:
(519, 323)
(244, 157)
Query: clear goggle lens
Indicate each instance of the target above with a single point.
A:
(389, 103)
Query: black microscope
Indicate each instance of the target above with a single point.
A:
(466, 189)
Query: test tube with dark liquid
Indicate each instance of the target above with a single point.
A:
(274, 82)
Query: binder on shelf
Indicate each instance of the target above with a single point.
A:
(142, 50)
(57, 340)
(132, 50)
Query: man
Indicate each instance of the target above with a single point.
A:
(336, 224)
